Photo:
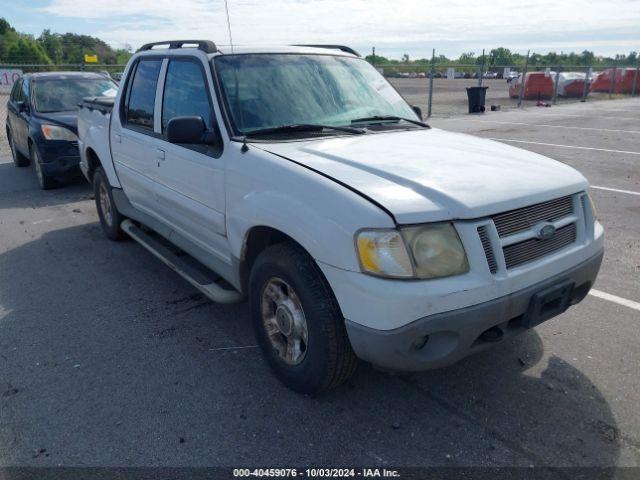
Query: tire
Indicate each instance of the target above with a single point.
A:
(19, 160)
(110, 218)
(45, 182)
(324, 359)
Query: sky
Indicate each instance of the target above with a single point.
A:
(394, 27)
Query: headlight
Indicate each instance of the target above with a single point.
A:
(427, 251)
(55, 132)
(437, 250)
(383, 253)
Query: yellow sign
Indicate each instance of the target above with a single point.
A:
(90, 58)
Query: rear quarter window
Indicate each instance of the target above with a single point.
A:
(139, 109)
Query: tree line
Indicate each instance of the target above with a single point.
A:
(55, 48)
(503, 57)
(70, 48)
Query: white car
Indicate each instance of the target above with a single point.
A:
(309, 186)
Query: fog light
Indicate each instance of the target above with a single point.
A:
(420, 342)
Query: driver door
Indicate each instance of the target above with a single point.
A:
(190, 179)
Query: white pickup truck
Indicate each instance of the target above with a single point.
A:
(299, 178)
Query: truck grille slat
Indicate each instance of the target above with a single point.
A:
(528, 250)
(488, 251)
(521, 219)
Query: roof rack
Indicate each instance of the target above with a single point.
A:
(207, 46)
(342, 48)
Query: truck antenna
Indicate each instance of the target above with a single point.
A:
(226, 7)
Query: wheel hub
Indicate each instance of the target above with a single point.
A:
(105, 204)
(284, 321)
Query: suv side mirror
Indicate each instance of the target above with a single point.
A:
(22, 106)
(418, 111)
(186, 130)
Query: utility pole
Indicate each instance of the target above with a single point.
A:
(524, 79)
(433, 68)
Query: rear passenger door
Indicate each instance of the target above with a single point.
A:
(20, 119)
(133, 137)
(190, 178)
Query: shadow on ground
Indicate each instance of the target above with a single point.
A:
(109, 359)
(19, 189)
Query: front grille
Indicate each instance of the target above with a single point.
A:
(534, 248)
(521, 219)
(488, 251)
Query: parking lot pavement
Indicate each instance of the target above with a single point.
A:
(110, 359)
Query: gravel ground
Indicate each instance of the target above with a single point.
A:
(107, 358)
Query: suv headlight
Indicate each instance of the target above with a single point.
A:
(55, 132)
(425, 251)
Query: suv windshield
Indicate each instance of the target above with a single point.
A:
(64, 94)
(269, 90)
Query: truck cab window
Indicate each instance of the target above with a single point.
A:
(142, 97)
(185, 93)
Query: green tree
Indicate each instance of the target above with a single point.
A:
(500, 56)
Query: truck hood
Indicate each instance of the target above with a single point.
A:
(432, 175)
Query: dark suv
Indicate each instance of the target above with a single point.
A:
(42, 121)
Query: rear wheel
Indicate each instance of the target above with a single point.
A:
(110, 218)
(297, 320)
(45, 181)
(19, 160)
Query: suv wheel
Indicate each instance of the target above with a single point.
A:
(110, 218)
(45, 182)
(297, 320)
(19, 160)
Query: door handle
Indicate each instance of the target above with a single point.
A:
(117, 138)
(159, 154)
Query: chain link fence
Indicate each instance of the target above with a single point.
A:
(438, 90)
(442, 90)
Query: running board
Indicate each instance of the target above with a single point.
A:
(211, 289)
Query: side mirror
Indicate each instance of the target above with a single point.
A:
(22, 106)
(418, 111)
(186, 130)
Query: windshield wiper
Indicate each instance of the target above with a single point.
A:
(303, 127)
(383, 118)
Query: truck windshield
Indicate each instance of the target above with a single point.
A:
(63, 94)
(269, 90)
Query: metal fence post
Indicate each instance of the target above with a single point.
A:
(635, 79)
(587, 76)
(613, 81)
(481, 72)
(555, 87)
(524, 79)
(431, 74)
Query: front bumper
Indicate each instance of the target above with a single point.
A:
(59, 159)
(444, 338)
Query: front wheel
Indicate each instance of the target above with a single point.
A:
(19, 160)
(297, 320)
(110, 218)
(45, 181)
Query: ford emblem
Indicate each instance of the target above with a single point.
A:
(546, 231)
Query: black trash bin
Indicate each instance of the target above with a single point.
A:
(476, 96)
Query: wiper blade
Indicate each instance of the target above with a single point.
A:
(303, 127)
(377, 118)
